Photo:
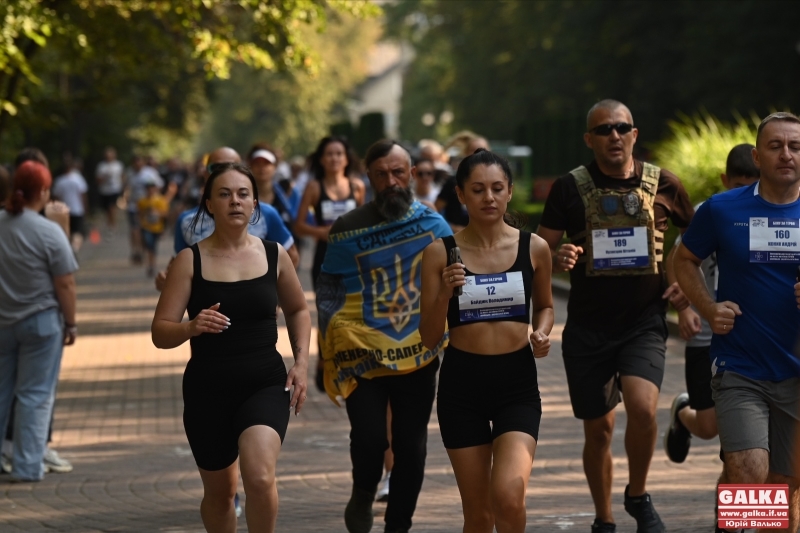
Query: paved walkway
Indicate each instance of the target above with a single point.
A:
(118, 419)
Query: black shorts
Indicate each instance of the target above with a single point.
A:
(698, 377)
(224, 396)
(483, 396)
(594, 361)
(108, 201)
(150, 240)
(76, 225)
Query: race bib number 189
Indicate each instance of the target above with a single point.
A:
(774, 240)
(620, 248)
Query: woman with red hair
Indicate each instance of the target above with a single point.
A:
(37, 315)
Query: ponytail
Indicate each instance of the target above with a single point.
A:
(30, 179)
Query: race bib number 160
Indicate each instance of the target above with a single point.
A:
(774, 240)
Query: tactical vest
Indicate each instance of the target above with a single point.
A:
(612, 218)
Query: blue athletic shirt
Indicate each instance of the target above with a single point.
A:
(270, 227)
(760, 345)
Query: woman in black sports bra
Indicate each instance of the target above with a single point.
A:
(236, 391)
(488, 402)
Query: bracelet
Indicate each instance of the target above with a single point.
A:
(73, 329)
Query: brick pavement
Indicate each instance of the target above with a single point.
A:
(118, 419)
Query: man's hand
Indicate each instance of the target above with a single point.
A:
(566, 257)
(689, 323)
(676, 297)
(722, 317)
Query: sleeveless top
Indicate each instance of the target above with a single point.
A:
(250, 304)
(326, 211)
(500, 296)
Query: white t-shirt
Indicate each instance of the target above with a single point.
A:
(109, 177)
(70, 189)
(137, 185)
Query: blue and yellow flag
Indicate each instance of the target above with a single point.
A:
(368, 297)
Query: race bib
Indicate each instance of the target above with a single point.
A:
(492, 296)
(620, 248)
(774, 240)
(331, 210)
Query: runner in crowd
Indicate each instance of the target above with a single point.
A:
(153, 211)
(373, 353)
(71, 188)
(108, 177)
(693, 411)
(447, 203)
(615, 203)
(37, 316)
(138, 175)
(488, 404)
(267, 223)
(425, 188)
(237, 393)
(754, 232)
(335, 192)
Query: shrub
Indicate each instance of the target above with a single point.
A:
(697, 148)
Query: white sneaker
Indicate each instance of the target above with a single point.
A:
(383, 493)
(5, 463)
(54, 463)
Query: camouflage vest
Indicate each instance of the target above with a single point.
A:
(619, 218)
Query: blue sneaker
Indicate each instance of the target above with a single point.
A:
(237, 506)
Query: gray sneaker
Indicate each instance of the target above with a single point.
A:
(54, 463)
(5, 464)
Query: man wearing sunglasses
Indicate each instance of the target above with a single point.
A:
(614, 212)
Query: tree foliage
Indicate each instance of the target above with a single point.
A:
(509, 69)
(77, 67)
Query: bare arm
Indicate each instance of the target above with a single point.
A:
(720, 315)
(542, 315)
(359, 191)
(58, 212)
(294, 255)
(168, 330)
(66, 295)
(437, 289)
(564, 257)
(301, 227)
(292, 300)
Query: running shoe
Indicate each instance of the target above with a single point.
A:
(677, 438)
(383, 492)
(358, 513)
(236, 505)
(5, 464)
(54, 463)
(603, 527)
(641, 508)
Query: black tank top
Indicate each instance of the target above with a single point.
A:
(497, 296)
(250, 304)
(326, 211)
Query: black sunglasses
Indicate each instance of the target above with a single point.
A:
(425, 173)
(606, 129)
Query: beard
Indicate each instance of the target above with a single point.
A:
(393, 202)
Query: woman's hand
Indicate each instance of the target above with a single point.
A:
(452, 276)
(541, 344)
(209, 321)
(297, 378)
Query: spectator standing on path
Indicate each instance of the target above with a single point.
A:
(37, 316)
(489, 404)
(693, 412)
(153, 210)
(55, 210)
(755, 233)
(108, 177)
(138, 176)
(616, 203)
(368, 300)
(236, 391)
(71, 188)
(336, 191)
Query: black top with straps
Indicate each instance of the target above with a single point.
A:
(521, 264)
(327, 210)
(250, 304)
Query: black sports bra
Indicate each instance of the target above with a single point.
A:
(501, 296)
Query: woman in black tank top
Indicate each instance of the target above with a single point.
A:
(236, 391)
(334, 192)
(488, 401)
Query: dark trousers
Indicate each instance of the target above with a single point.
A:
(411, 397)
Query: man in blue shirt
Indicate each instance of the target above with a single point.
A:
(755, 232)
